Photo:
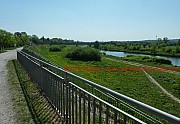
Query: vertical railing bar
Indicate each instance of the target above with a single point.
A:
(84, 108)
(58, 96)
(94, 111)
(67, 99)
(100, 112)
(79, 106)
(70, 101)
(64, 105)
(55, 95)
(61, 98)
(72, 104)
(76, 106)
(115, 116)
(89, 109)
(53, 89)
(125, 119)
(107, 114)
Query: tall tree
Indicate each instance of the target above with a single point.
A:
(22, 36)
(6, 39)
(165, 39)
(96, 45)
(179, 42)
(177, 49)
(34, 39)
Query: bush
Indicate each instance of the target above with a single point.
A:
(168, 49)
(56, 48)
(84, 54)
(144, 49)
(147, 59)
(130, 55)
(162, 61)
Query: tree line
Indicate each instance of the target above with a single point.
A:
(170, 47)
(8, 39)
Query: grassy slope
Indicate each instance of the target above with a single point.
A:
(28, 94)
(130, 83)
(19, 103)
(171, 82)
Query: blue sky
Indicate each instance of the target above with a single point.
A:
(90, 20)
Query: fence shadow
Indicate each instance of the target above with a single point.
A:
(41, 110)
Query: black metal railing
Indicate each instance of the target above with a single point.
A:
(80, 100)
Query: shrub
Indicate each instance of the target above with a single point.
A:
(168, 49)
(162, 61)
(147, 59)
(56, 48)
(144, 49)
(130, 55)
(84, 54)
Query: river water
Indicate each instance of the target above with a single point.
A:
(174, 60)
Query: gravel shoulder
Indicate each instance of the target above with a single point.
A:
(6, 107)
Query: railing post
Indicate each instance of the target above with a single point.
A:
(66, 83)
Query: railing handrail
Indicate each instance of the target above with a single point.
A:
(144, 106)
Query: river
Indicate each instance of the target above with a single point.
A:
(174, 60)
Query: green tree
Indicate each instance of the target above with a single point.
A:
(42, 39)
(153, 49)
(96, 45)
(168, 49)
(17, 38)
(165, 39)
(22, 36)
(179, 42)
(6, 39)
(177, 49)
(35, 39)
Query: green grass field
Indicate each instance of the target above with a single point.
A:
(132, 83)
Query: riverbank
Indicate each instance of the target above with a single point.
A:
(146, 52)
(175, 61)
(131, 83)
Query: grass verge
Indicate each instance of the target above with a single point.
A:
(19, 102)
(29, 102)
(2, 51)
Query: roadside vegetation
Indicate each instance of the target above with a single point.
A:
(29, 103)
(114, 75)
(19, 102)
